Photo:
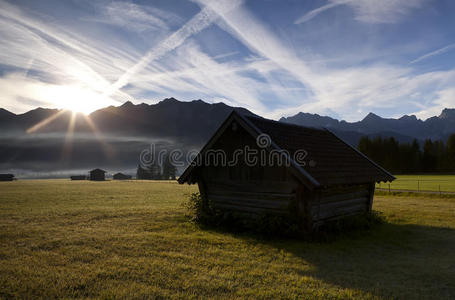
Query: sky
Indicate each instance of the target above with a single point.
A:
(341, 58)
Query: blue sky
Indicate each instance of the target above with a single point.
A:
(342, 58)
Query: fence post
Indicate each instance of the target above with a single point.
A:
(389, 187)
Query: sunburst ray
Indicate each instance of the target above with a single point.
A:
(45, 122)
(108, 150)
(68, 143)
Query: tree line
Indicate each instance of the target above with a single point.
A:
(432, 157)
(164, 171)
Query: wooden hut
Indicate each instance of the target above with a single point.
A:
(78, 177)
(121, 176)
(97, 175)
(7, 177)
(323, 178)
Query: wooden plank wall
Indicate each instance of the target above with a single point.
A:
(336, 202)
(248, 189)
(250, 197)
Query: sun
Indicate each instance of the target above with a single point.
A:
(81, 106)
(79, 99)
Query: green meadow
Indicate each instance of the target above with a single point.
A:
(108, 240)
(444, 183)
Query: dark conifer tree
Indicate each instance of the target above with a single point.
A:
(155, 171)
(450, 152)
(405, 158)
(141, 173)
(169, 170)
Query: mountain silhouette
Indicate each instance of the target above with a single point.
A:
(168, 118)
(109, 138)
(114, 136)
(404, 129)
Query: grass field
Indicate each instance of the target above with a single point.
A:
(63, 239)
(445, 183)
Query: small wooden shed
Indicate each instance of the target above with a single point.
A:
(323, 179)
(78, 177)
(7, 177)
(97, 175)
(121, 176)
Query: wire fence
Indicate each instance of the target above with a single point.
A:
(420, 185)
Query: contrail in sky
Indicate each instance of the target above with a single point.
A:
(433, 53)
(196, 24)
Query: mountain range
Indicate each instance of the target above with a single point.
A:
(404, 129)
(50, 140)
(194, 120)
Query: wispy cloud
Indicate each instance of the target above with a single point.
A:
(366, 11)
(224, 55)
(444, 98)
(434, 53)
(199, 22)
(65, 64)
(263, 70)
(56, 58)
(368, 86)
(245, 27)
(134, 17)
(196, 74)
(313, 13)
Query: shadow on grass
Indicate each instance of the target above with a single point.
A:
(389, 260)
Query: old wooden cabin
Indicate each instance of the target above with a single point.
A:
(7, 177)
(323, 178)
(97, 175)
(121, 176)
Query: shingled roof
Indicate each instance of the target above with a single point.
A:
(329, 160)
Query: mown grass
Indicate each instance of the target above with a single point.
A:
(444, 183)
(63, 239)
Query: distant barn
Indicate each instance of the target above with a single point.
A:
(7, 177)
(324, 179)
(78, 177)
(97, 175)
(121, 176)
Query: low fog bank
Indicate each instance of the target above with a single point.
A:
(60, 156)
